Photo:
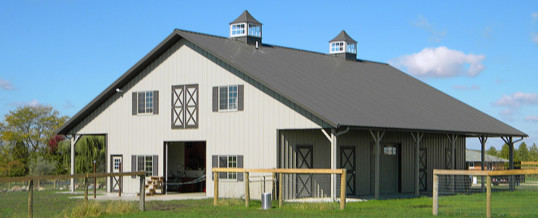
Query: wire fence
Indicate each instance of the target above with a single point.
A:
(486, 193)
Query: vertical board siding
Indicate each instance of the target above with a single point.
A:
(250, 132)
(363, 143)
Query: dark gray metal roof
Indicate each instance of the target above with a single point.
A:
(247, 18)
(476, 156)
(343, 36)
(360, 94)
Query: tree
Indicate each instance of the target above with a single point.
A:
(523, 152)
(505, 152)
(41, 166)
(533, 153)
(88, 149)
(493, 151)
(31, 125)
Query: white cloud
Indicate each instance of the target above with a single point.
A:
(6, 85)
(464, 87)
(531, 118)
(440, 62)
(518, 99)
(534, 37)
(423, 23)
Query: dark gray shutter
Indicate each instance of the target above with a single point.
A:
(142, 102)
(134, 103)
(223, 163)
(240, 165)
(155, 102)
(215, 99)
(133, 165)
(240, 90)
(154, 164)
(214, 164)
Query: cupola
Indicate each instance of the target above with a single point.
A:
(247, 29)
(343, 46)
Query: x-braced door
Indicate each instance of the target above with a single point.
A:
(423, 169)
(116, 162)
(185, 106)
(347, 161)
(448, 163)
(305, 160)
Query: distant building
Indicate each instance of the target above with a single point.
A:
(473, 161)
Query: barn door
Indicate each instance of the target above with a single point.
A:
(305, 161)
(185, 106)
(116, 162)
(423, 169)
(448, 163)
(347, 161)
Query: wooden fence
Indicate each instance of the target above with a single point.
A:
(86, 176)
(488, 174)
(280, 172)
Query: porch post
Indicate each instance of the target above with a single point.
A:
(417, 137)
(74, 139)
(333, 163)
(452, 140)
(511, 161)
(377, 139)
(483, 140)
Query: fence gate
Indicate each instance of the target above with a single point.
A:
(347, 161)
(423, 167)
(305, 159)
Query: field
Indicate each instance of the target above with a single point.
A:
(52, 204)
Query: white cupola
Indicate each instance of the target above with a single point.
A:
(247, 29)
(343, 46)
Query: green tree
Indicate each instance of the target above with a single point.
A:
(88, 149)
(505, 152)
(533, 153)
(41, 166)
(493, 151)
(523, 152)
(31, 125)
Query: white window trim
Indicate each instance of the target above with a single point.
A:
(228, 164)
(145, 156)
(248, 30)
(239, 35)
(145, 103)
(228, 103)
(344, 48)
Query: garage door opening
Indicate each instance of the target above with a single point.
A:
(185, 166)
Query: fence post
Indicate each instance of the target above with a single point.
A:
(215, 188)
(142, 204)
(435, 194)
(31, 199)
(280, 181)
(488, 197)
(247, 189)
(343, 189)
(120, 181)
(86, 189)
(94, 182)
(273, 188)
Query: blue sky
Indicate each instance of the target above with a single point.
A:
(484, 53)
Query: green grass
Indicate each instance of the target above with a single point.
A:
(50, 204)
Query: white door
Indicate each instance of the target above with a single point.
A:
(116, 164)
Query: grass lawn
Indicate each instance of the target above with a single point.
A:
(519, 203)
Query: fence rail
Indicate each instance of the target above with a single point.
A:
(488, 174)
(86, 176)
(246, 172)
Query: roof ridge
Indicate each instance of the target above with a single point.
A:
(279, 46)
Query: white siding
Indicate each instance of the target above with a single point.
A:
(251, 132)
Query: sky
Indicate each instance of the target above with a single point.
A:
(484, 53)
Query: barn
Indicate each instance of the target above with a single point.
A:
(198, 101)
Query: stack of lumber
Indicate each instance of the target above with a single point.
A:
(153, 184)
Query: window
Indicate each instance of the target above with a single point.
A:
(229, 161)
(255, 30)
(117, 164)
(146, 163)
(337, 47)
(228, 98)
(238, 29)
(389, 150)
(146, 102)
(351, 48)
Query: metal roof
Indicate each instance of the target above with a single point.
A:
(361, 94)
(247, 18)
(343, 36)
(476, 156)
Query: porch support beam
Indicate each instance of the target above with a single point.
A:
(377, 136)
(509, 140)
(417, 137)
(483, 140)
(452, 140)
(334, 144)
(74, 140)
